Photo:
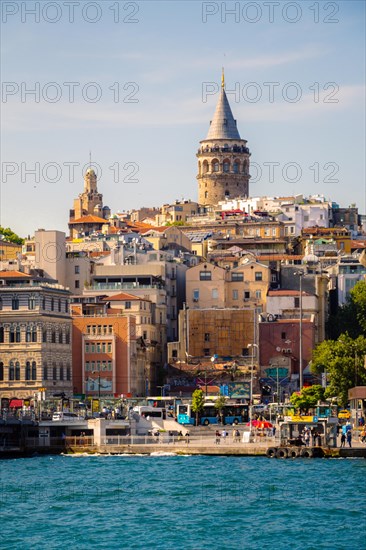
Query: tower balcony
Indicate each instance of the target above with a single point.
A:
(230, 149)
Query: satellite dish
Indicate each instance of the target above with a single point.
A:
(278, 349)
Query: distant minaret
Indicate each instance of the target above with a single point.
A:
(223, 157)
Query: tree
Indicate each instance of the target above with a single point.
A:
(307, 398)
(198, 400)
(219, 405)
(343, 361)
(10, 236)
(351, 317)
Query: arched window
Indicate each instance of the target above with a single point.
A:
(12, 335)
(1, 370)
(226, 166)
(44, 302)
(245, 167)
(45, 371)
(34, 334)
(227, 193)
(31, 302)
(236, 167)
(17, 334)
(54, 371)
(199, 167)
(28, 335)
(60, 336)
(67, 336)
(215, 165)
(44, 335)
(27, 371)
(206, 194)
(15, 303)
(205, 167)
(1, 334)
(34, 370)
(61, 371)
(53, 337)
(68, 373)
(17, 370)
(11, 370)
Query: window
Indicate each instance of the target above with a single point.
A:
(258, 276)
(214, 294)
(144, 335)
(128, 305)
(12, 335)
(77, 283)
(245, 352)
(27, 371)
(226, 167)
(68, 373)
(274, 278)
(205, 276)
(53, 336)
(87, 347)
(215, 166)
(296, 302)
(66, 306)
(103, 347)
(59, 305)
(43, 303)
(246, 295)
(1, 371)
(44, 335)
(15, 303)
(34, 334)
(283, 335)
(237, 277)
(11, 370)
(109, 347)
(77, 270)
(67, 337)
(32, 302)
(17, 371)
(109, 365)
(92, 347)
(196, 295)
(1, 334)
(207, 336)
(45, 371)
(235, 295)
(60, 339)
(54, 372)
(206, 352)
(236, 168)
(258, 294)
(52, 304)
(28, 335)
(34, 370)
(17, 334)
(61, 371)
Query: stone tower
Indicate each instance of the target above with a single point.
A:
(223, 158)
(90, 201)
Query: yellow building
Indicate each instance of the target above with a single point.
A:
(9, 251)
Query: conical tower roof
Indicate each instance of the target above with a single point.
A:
(223, 124)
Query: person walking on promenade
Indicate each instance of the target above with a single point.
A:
(217, 437)
(224, 434)
(307, 437)
(343, 439)
(349, 438)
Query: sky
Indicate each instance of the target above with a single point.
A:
(134, 85)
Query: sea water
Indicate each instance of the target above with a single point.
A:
(182, 502)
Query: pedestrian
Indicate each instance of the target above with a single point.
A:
(349, 438)
(343, 439)
(217, 437)
(223, 435)
(307, 437)
(237, 436)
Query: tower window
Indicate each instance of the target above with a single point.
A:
(236, 167)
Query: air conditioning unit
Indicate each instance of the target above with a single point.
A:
(195, 299)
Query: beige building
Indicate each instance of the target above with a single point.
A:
(243, 287)
(176, 212)
(35, 337)
(167, 238)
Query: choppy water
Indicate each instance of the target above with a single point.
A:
(182, 502)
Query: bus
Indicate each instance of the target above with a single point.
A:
(151, 412)
(233, 413)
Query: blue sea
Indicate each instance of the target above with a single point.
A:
(182, 502)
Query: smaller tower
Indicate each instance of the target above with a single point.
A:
(223, 157)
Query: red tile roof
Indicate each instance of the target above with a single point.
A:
(89, 219)
(120, 297)
(14, 274)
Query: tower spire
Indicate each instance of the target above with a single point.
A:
(223, 79)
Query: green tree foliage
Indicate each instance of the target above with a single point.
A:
(307, 398)
(198, 400)
(350, 318)
(219, 405)
(10, 236)
(343, 361)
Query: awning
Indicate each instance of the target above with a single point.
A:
(16, 404)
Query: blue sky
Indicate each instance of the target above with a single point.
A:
(168, 55)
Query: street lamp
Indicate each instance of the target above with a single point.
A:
(98, 372)
(251, 386)
(300, 274)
